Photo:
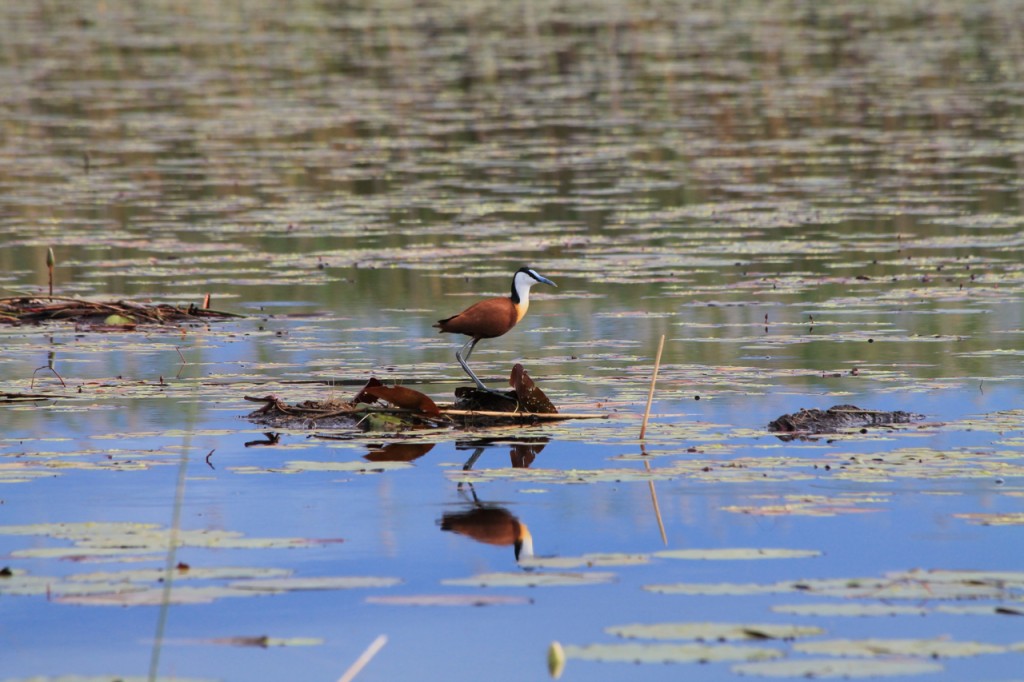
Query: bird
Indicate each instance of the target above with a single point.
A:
(492, 317)
(493, 526)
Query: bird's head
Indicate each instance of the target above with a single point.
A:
(524, 279)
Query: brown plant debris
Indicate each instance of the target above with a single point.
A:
(102, 314)
(837, 418)
(411, 409)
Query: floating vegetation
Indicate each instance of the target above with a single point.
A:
(669, 653)
(906, 585)
(837, 418)
(448, 600)
(133, 539)
(715, 632)
(103, 315)
(832, 668)
(411, 409)
(130, 542)
(817, 204)
(537, 579)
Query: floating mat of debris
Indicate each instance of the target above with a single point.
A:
(409, 408)
(837, 418)
(103, 315)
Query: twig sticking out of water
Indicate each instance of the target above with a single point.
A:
(650, 394)
(51, 260)
(364, 658)
(49, 366)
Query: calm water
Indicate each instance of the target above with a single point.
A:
(815, 205)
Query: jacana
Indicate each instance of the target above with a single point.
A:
(492, 318)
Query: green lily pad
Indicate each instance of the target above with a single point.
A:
(1008, 519)
(146, 575)
(118, 321)
(924, 648)
(322, 583)
(263, 642)
(536, 579)
(707, 589)
(447, 600)
(668, 653)
(736, 553)
(107, 678)
(360, 467)
(154, 596)
(829, 610)
(123, 540)
(586, 560)
(714, 631)
(836, 668)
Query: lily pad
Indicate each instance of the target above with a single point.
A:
(322, 583)
(829, 610)
(829, 668)
(447, 600)
(720, 632)
(924, 648)
(736, 554)
(669, 653)
(537, 579)
(585, 560)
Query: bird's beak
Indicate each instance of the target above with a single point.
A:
(546, 281)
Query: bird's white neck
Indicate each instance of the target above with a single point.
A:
(521, 284)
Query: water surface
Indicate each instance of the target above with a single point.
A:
(815, 205)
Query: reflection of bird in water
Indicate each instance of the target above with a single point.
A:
(398, 452)
(493, 526)
(491, 318)
(521, 452)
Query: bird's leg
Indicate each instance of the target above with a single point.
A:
(468, 348)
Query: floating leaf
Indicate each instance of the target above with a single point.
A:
(832, 668)
(118, 321)
(263, 641)
(154, 596)
(537, 579)
(736, 553)
(355, 466)
(321, 583)
(201, 573)
(586, 560)
(447, 600)
(668, 653)
(924, 648)
(829, 610)
(720, 632)
(1007, 519)
(123, 541)
(720, 588)
(108, 678)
